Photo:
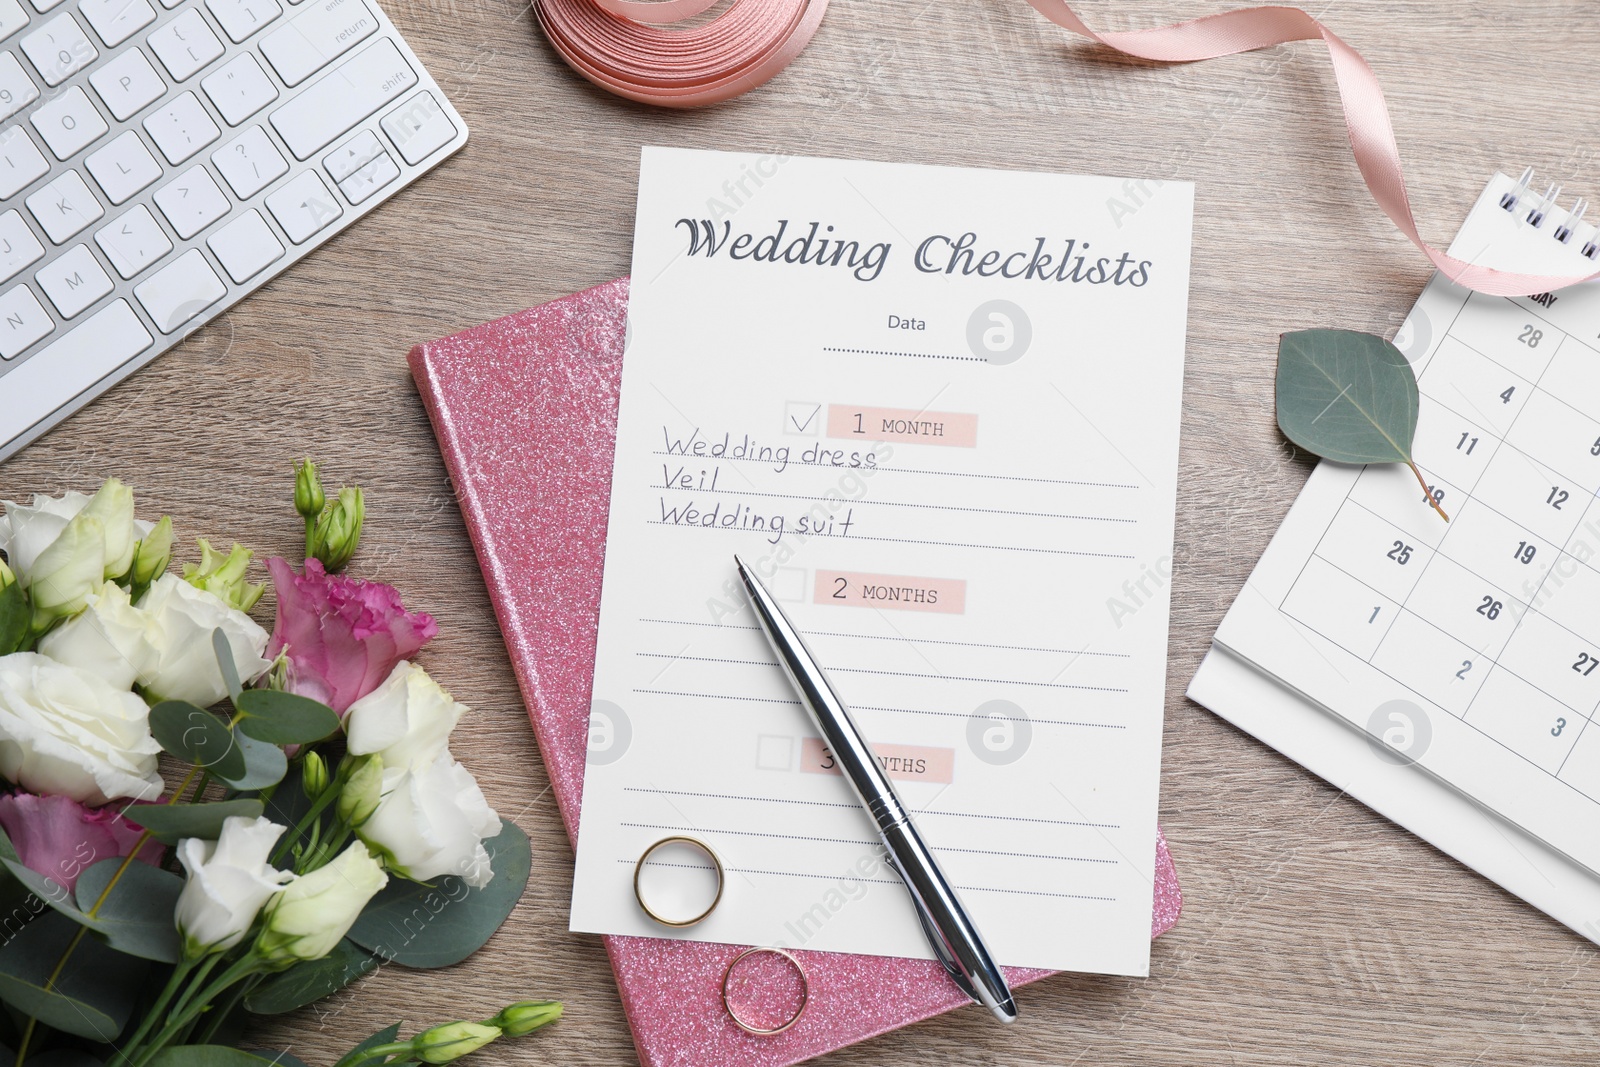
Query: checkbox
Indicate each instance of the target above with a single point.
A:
(774, 752)
(789, 584)
(802, 418)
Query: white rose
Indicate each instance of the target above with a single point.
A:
(27, 530)
(110, 638)
(229, 880)
(407, 720)
(183, 665)
(64, 731)
(308, 918)
(432, 821)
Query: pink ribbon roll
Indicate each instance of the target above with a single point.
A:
(1366, 116)
(620, 46)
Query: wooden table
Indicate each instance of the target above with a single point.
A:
(1315, 931)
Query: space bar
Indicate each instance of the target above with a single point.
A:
(71, 364)
(343, 97)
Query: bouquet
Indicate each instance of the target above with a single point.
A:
(318, 827)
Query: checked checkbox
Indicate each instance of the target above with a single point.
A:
(802, 418)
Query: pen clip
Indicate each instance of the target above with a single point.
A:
(941, 950)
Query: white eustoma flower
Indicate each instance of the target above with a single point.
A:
(110, 638)
(432, 821)
(183, 665)
(67, 732)
(406, 720)
(229, 879)
(312, 913)
(26, 530)
(67, 571)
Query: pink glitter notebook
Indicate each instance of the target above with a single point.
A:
(525, 409)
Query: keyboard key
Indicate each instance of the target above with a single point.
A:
(369, 179)
(363, 84)
(185, 45)
(191, 202)
(127, 84)
(241, 18)
(23, 321)
(17, 90)
(239, 89)
(134, 242)
(18, 246)
(69, 365)
(317, 36)
(20, 162)
(250, 163)
(419, 127)
(303, 207)
(73, 281)
(45, 5)
(69, 123)
(64, 207)
(12, 18)
(181, 128)
(123, 167)
(59, 49)
(117, 20)
(351, 156)
(180, 291)
(246, 246)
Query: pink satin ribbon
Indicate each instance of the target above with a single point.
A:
(618, 45)
(1366, 116)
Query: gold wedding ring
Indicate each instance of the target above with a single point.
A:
(805, 993)
(638, 868)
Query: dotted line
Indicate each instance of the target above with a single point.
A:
(871, 881)
(874, 707)
(892, 637)
(859, 841)
(906, 504)
(900, 470)
(887, 674)
(914, 355)
(834, 804)
(900, 540)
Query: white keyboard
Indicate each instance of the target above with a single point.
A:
(161, 159)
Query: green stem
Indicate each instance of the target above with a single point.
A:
(328, 796)
(376, 1052)
(180, 973)
(213, 1024)
(195, 1004)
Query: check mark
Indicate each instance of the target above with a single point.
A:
(801, 426)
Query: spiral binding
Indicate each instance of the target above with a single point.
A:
(1539, 205)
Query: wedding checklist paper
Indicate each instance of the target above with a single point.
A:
(937, 410)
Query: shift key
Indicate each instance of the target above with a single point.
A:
(343, 97)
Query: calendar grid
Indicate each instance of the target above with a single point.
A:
(1516, 692)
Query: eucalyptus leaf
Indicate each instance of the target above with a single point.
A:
(284, 718)
(197, 736)
(136, 917)
(49, 891)
(438, 925)
(1350, 397)
(264, 763)
(15, 615)
(230, 670)
(219, 1056)
(171, 822)
(95, 993)
(308, 982)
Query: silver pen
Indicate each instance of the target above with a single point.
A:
(955, 940)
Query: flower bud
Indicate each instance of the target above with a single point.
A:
(68, 571)
(153, 554)
(451, 1041)
(313, 775)
(526, 1016)
(362, 790)
(223, 576)
(309, 499)
(309, 917)
(337, 532)
(7, 578)
(113, 506)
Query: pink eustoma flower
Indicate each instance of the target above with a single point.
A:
(60, 838)
(342, 635)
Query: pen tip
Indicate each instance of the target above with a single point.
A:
(737, 562)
